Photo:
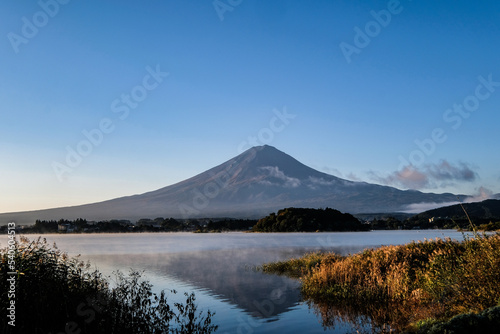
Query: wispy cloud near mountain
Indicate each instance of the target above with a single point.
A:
(483, 194)
(256, 182)
(275, 172)
(425, 206)
(430, 176)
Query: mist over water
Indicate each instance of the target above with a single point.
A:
(220, 269)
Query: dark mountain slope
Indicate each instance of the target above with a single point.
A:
(487, 209)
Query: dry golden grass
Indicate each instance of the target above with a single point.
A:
(407, 283)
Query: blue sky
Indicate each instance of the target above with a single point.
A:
(149, 93)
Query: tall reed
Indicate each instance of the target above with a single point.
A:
(430, 279)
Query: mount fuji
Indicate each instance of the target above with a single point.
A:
(251, 185)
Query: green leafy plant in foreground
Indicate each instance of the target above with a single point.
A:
(58, 294)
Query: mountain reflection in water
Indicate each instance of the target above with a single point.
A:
(228, 275)
(220, 269)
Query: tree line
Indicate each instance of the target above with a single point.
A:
(159, 224)
(309, 220)
(285, 220)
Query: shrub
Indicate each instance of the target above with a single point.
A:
(400, 285)
(487, 321)
(55, 293)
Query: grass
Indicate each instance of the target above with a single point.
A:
(487, 321)
(58, 294)
(295, 268)
(401, 286)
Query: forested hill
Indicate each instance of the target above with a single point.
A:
(485, 209)
(480, 213)
(309, 220)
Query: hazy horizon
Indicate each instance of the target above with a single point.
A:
(105, 100)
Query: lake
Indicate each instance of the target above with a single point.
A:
(220, 269)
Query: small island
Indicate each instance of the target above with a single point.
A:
(309, 220)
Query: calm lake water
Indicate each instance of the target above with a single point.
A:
(219, 269)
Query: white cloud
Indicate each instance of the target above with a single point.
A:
(331, 171)
(275, 172)
(482, 194)
(321, 181)
(421, 207)
(408, 177)
(445, 171)
(429, 176)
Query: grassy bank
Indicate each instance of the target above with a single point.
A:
(402, 285)
(53, 293)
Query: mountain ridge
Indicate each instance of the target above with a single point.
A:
(252, 184)
(489, 208)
